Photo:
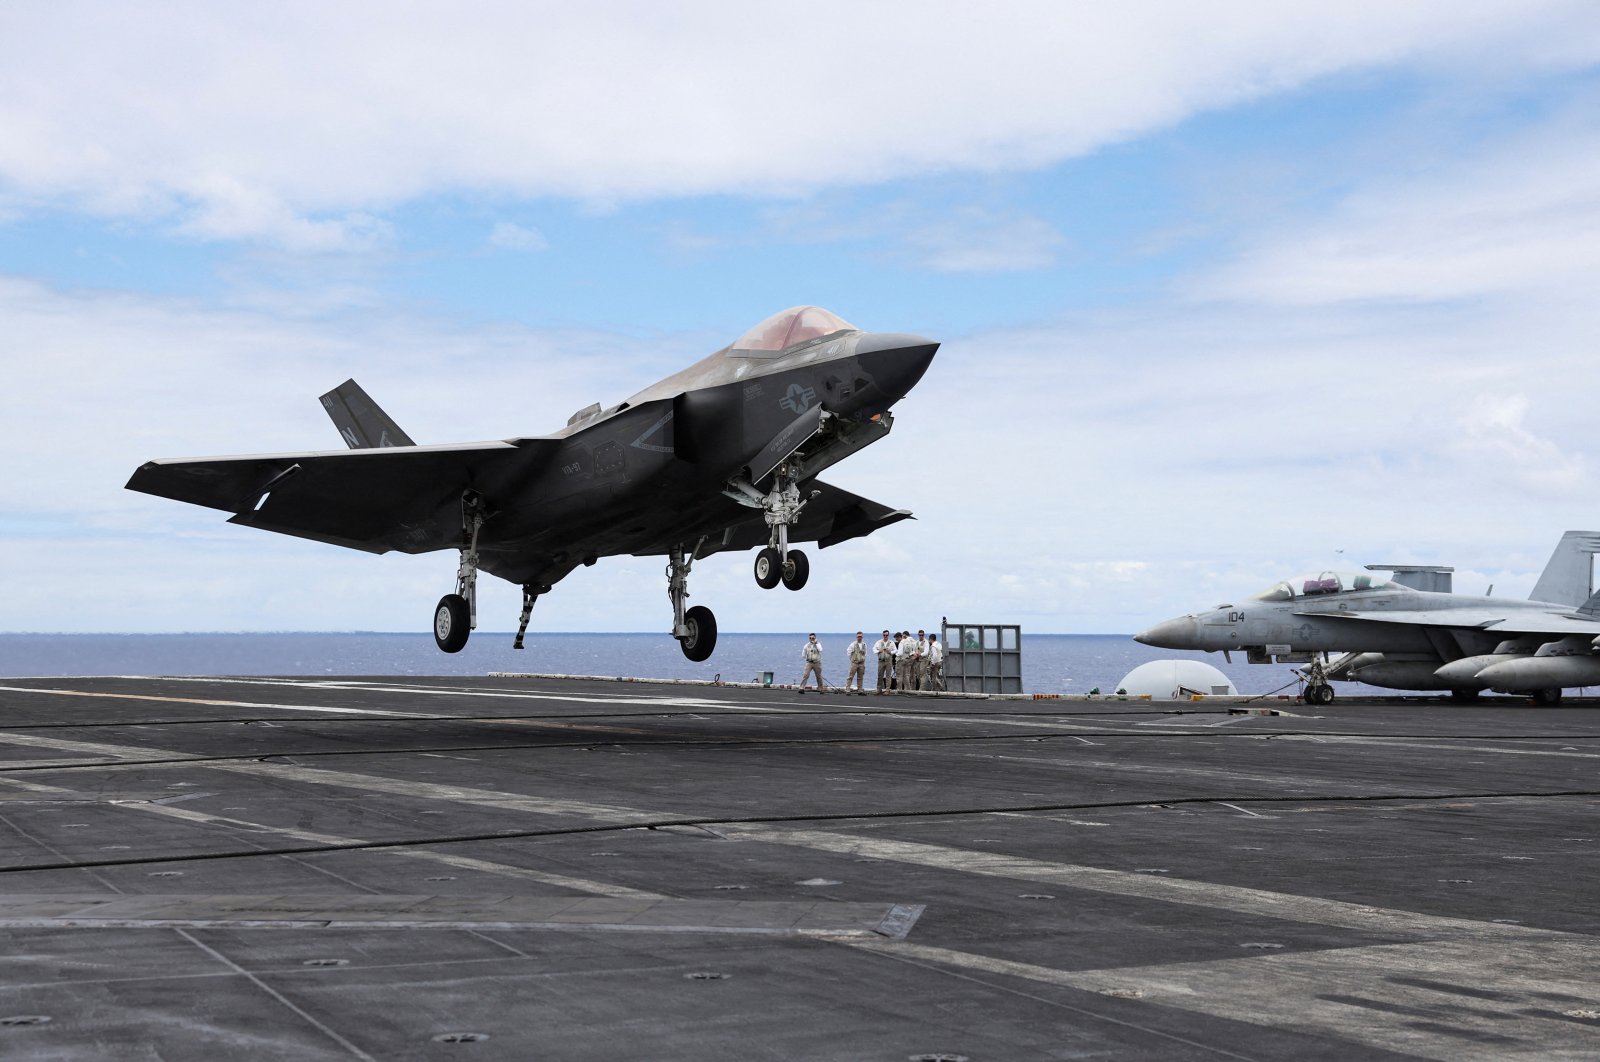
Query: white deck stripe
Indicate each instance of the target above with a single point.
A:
(1428, 1000)
(1260, 902)
(457, 861)
(213, 702)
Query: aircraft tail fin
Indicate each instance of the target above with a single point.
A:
(359, 420)
(1569, 577)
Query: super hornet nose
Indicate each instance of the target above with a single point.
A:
(1178, 633)
(896, 361)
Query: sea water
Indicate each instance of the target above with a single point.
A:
(1051, 663)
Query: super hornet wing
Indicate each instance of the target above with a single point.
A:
(1510, 622)
(376, 499)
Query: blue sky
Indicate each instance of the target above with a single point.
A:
(1225, 291)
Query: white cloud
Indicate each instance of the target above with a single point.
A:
(1522, 215)
(510, 236)
(1492, 431)
(973, 240)
(298, 121)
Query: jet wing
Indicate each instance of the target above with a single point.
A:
(847, 516)
(399, 497)
(834, 516)
(1516, 621)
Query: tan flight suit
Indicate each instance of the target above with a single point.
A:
(935, 679)
(883, 649)
(919, 666)
(905, 663)
(812, 655)
(857, 653)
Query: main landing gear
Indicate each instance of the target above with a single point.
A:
(695, 628)
(781, 505)
(456, 616)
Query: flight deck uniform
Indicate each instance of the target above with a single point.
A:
(935, 677)
(812, 655)
(919, 666)
(905, 663)
(857, 653)
(883, 649)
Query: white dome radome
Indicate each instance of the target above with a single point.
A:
(1167, 680)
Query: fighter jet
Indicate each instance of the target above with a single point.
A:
(1400, 637)
(721, 456)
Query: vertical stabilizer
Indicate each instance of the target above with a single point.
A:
(1569, 577)
(359, 420)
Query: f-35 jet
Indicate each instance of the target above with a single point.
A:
(1401, 637)
(723, 455)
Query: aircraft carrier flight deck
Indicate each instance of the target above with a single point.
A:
(514, 868)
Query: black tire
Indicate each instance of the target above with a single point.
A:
(1464, 696)
(769, 568)
(1546, 698)
(452, 623)
(1319, 694)
(797, 571)
(702, 637)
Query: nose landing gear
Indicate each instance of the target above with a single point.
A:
(781, 505)
(1318, 690)
(771, 570)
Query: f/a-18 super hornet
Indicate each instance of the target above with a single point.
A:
(723, 455)
(1396, 635)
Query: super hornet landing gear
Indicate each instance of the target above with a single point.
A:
(695, 628)
(781, 506)
(1318, 690)
(457, 614)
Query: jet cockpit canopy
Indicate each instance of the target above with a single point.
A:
(788, 328)
(1320, 583)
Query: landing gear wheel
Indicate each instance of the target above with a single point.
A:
(452, 623)
(769, 568)
(1464, 696)
(1546, 698)
(1320, 694)
(797, 571)
(702, 636)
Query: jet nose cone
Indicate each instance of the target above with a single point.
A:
(1175, 633)
(895, 360)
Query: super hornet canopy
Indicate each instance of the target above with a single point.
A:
(1321, 583)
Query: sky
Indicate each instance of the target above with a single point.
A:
(1225, 291)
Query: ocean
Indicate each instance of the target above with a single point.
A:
(1051, 663)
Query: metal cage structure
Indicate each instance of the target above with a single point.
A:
(982, 657)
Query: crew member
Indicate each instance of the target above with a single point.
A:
(883, 649)
(935, 679)
(905, 662)
(857, 654)
(919, 663)
(811, 653)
